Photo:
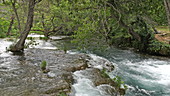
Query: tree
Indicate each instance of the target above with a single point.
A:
(19, 46)
(13, 2)
(167, 7)
(10, 26)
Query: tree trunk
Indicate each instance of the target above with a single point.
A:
(167, 7)
(19, 46)
(46, 31)
(10, 26)
(16, 14)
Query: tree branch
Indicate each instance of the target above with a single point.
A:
(38, 1)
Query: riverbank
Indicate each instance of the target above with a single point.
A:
(24, 77)
(21, 75)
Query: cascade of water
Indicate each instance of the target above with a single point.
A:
(144, 75)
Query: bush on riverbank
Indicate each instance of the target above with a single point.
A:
(159, 48)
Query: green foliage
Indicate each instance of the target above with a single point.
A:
(2, 35)
(62, 94)
(10, 39)
(81, 18)
(104, 74)
(120, 37)
(157, 46)
(4, 24)
(37, 32)
(65, 48)
(138, 15)
(30, 38)
(162, 28)
(119, 82)
(30, 43)
(152, 10)
(94, 24)
(43, 65)
(44, 38)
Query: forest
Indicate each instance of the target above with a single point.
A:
(120, 23)
(91, 26)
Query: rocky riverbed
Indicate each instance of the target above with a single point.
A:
(21, 75)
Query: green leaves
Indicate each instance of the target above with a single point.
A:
(43, 65)
(157, 46)
(119, 83)
(3, 27)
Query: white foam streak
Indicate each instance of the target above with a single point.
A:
(84, 87)
(162, 72)
(42, 45)
(100, 62)
(58, 37)
(72, 52)
(3, 45)
(35, 35)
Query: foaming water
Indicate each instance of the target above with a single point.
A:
(145, 75)
(85, 87)
(4, 44)
(58, 37)
(43, 45)
(35, 35)
(149, 77)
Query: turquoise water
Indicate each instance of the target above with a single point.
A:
(144, 75)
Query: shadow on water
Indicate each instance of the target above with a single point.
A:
(18, 53)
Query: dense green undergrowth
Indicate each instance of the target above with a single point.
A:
(4, 25)
(159, 48)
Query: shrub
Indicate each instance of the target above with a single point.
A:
(43, 65)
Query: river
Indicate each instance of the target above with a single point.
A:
(143, 74)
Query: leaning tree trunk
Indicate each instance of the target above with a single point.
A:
(167, 7)
(19, 46)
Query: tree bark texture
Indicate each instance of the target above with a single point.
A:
(19, 46)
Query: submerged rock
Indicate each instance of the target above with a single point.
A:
(24, 77)
(96, 77)
(93, 78)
